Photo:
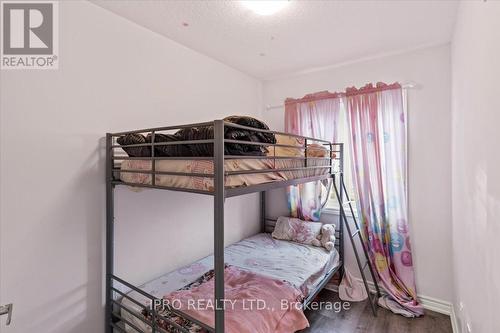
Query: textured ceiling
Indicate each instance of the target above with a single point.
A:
(303, 36)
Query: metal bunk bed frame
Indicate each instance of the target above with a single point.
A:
(220, 193)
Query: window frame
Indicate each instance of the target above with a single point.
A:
(330, 206)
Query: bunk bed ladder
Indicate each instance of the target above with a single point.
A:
(340, 192)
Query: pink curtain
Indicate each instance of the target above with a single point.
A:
(315, 115)
(376, 120)
(377, 127)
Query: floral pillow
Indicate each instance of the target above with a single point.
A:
(295, 230)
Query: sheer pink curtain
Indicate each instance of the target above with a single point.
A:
(378, 134)
(377, 125)
(315, 115)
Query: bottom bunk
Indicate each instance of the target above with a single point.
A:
(304, 268)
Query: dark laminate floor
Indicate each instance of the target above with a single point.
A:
(359, 319)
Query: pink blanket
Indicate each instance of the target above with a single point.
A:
(253, 303)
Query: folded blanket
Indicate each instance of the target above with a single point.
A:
(203, 133)
(231, 133)
(253, 303)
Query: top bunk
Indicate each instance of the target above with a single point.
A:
(239, 153)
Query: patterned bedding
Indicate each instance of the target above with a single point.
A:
(303, 266)
(241, 286)
(207, 167)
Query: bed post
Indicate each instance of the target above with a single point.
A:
(109, 231)
(263, 211)
(219, 197)
(341, 221)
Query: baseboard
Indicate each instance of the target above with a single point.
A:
(436, 305)
(454, 320)
(429, 303)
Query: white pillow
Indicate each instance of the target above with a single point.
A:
(296, 230)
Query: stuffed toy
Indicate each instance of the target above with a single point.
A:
(328, 236)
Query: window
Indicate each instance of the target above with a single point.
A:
(344, 136)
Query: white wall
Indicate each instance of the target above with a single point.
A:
(114, 75)
(476, 165)
(429, 147)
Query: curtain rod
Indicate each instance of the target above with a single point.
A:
(407, 85)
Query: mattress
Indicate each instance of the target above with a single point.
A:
(207, 167)
(303, 266)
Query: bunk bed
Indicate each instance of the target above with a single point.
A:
(224, 165)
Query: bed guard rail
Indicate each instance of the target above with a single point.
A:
(150, 316)
(314, 167)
